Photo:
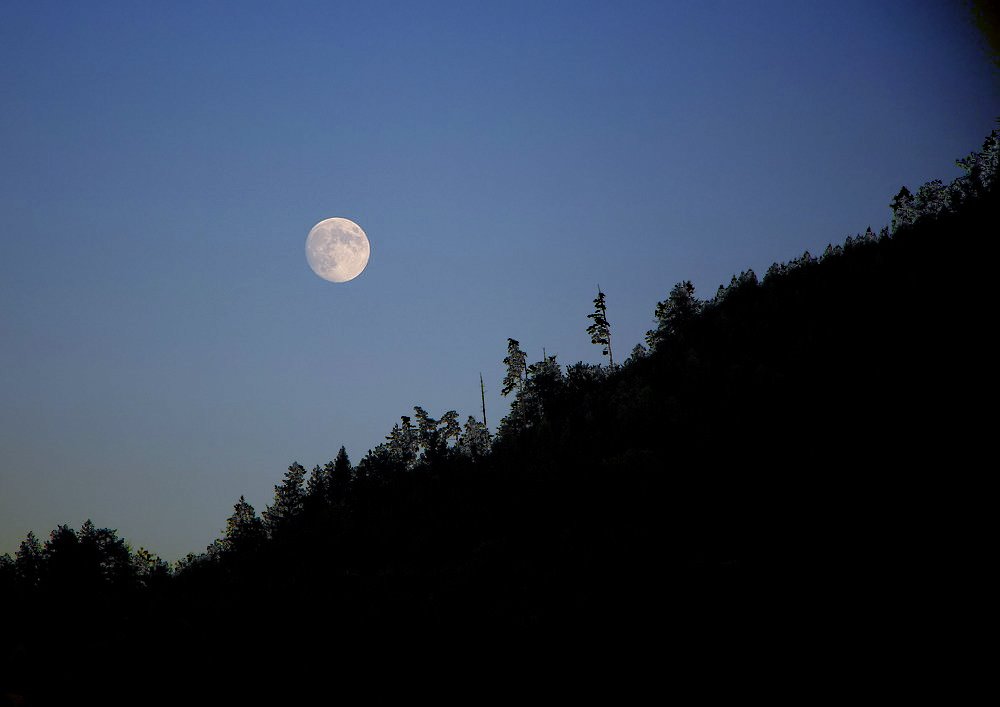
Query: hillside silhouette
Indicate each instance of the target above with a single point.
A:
(789, 452)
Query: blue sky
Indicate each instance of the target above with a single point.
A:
(164, 346)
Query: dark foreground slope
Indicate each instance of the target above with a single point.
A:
(796, 461)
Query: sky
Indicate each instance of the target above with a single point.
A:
(164, 346)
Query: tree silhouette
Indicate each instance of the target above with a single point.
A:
(544, 382)
(673, 313)
(719, 466)
(903, 211)
(987, 18)
(538, 389)
(289, 496)
(428, 438)
(28, 561)
(931, 198)
(7, 573)
(340, 477)
(980, 168)
(746, 280)
(600, 330)
(474, 442)
(66, 567)
(245, 532)
(431, 437)
(639, 352)
(150, 569)
(403, 443)
(516, 362)
(101, 547)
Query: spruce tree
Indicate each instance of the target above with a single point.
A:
(340, 478)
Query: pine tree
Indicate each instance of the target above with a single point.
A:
(289, 496)
(67, 564)
(980, 168)
(517, 368)
(600, 330)
(378, 464)
(427, 436)
(931, 199)
(403, 444)
(639, 352)
(28, 561)
(105, 553)
(340, 478)
(776, 270)
(244, 530)
(672, 313)
(745, 280)
(150, 568)
(7, 572)
(544, 381)
(448, 427)
(475, 439)
(903, 211)
(318, 484)
(433, 435)
(540, 384)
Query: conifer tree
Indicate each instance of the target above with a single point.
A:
(449, 427)
(931, 198)
(244, 530)
(7, 572)
(672, 313)
(517, 368)
(540, 384)
(600, 330)
(903, 211)
(544, 380)
(318, 484)
(427, 437)
(475, 439)
(639, 352)
(776, 270)
(28, 561)
(379, 464)
(980, 167)
(150, 568)
(433, 435)
(66, 563)
(340, 477)
(108, 555)
(289, 496)
(403, 444)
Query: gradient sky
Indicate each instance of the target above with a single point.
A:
(164, 346)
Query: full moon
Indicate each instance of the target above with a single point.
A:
(337, 249)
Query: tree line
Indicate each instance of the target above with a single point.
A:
(99, 557)
(791, 429)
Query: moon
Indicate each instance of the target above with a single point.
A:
(337, 249)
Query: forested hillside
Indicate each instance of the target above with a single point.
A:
(796, 444)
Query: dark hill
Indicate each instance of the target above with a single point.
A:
(796, 455)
